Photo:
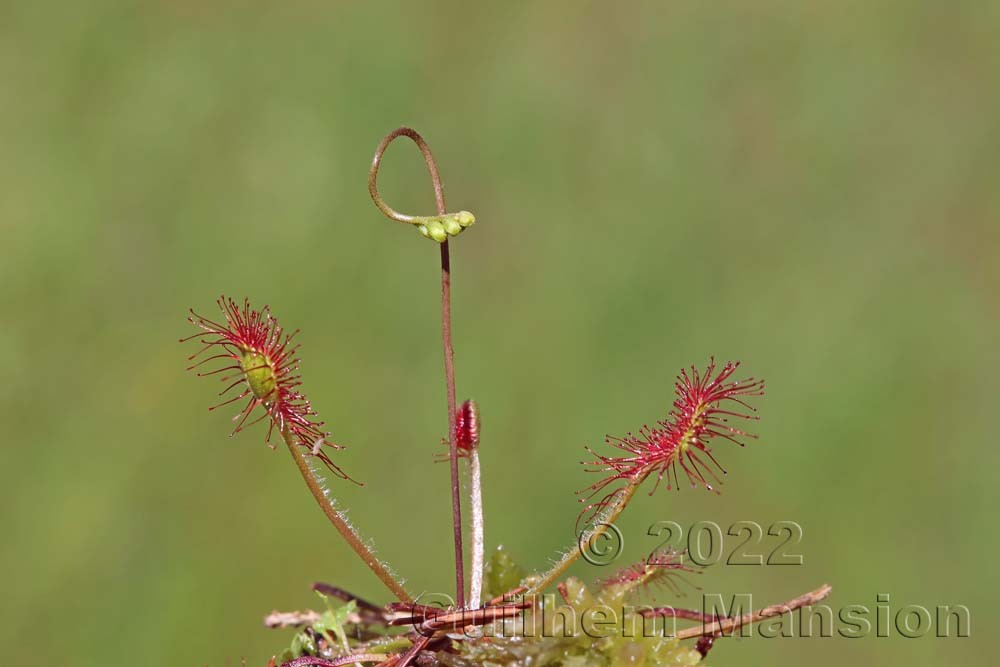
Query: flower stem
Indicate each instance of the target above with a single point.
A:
(449, 352)
(598, 527)
(339, 521)
(449, 374)
(476, 507)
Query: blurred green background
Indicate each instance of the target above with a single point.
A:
(808, 187)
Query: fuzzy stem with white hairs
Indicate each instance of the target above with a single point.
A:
(476, 507)
(339, 520)
(598, 526)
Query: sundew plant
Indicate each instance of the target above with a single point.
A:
(501, 613)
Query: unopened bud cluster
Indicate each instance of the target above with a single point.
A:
(440, 227)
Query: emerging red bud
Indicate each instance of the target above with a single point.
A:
(467, 426)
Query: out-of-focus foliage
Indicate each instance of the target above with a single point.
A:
(808, 187)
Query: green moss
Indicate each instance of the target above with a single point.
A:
(579, 627)
(501, 573)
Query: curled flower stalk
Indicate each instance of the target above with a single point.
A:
(437, 228)
(262, 364)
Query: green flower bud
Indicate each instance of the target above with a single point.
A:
(436, 231)
(440, 227)
(451, 225)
